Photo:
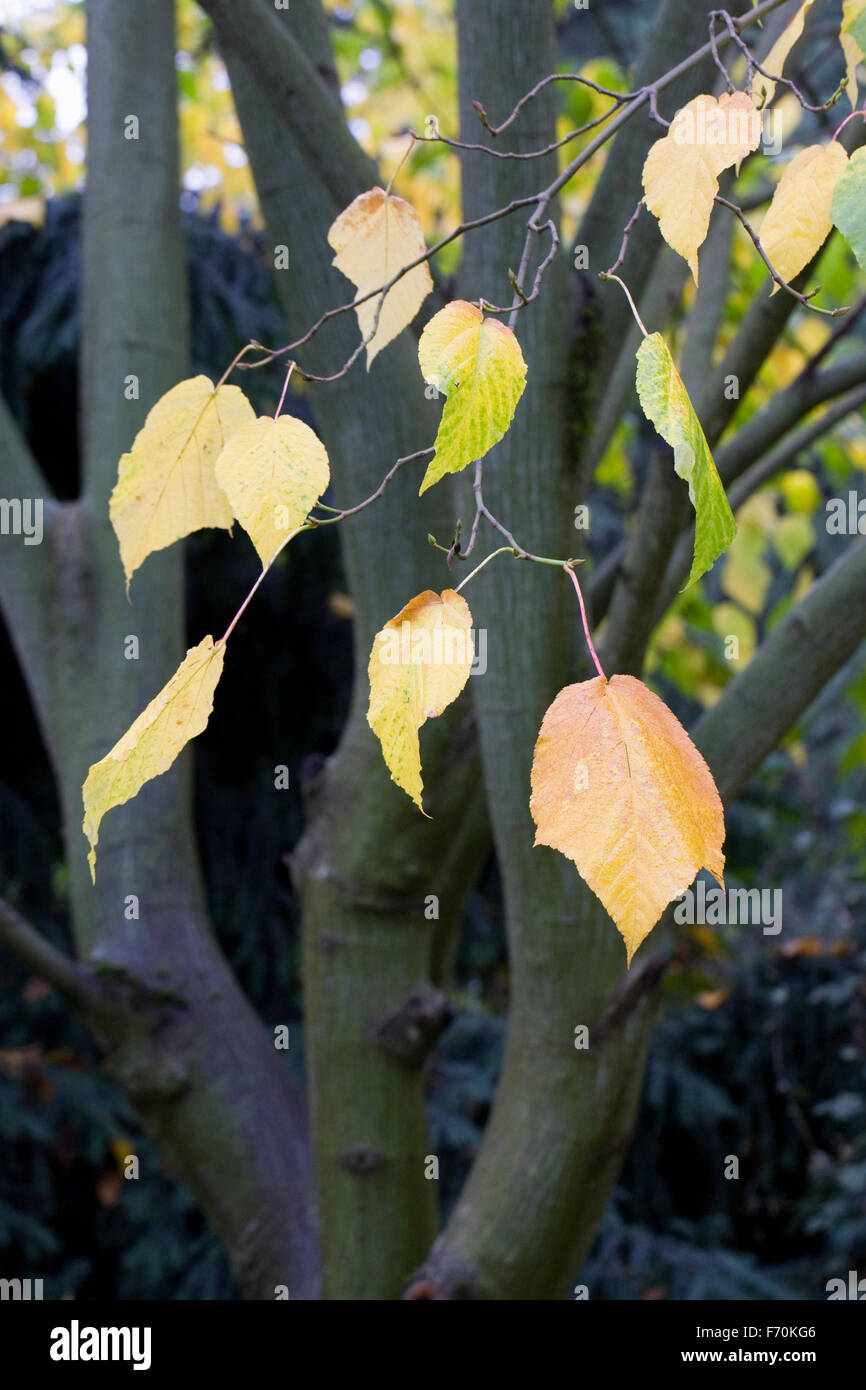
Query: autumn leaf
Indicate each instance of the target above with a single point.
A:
(150, 745)
(680, 174)
(619, 787)
(665, 401)
(419, 663)
(848, 205)
(272, 472)
(374, 238)
(853, 40)
(798, 219)
(778, 54)
(477, 363)
(30, 210)
(166, 486)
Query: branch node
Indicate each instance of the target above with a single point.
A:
(363, 1158)
(410, 1032)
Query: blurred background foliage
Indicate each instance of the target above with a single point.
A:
(761, 1050)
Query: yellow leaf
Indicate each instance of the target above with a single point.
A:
(777, 56)
(272, 473)
(30, 210)
(680, 174)
(419, 664)
(853, 43)
(374, 237)
(619, 787)
(798, 219)
(150, 745)
(478, 364)
(166, 486)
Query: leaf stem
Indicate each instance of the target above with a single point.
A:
(606, 275)
(848, 118)
(593, 653)
(249, 347)
(405, 156)
(231, 627)
(285, 389)
(501, 551)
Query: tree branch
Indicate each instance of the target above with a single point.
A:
(708, 311)
(296, 93)
(785, 453)
(22, 476)
(205, 1077)
(816, 638)
(629, 581)
(31, 947)
(367, 861)
(25, 576)
(677, 32)
(784, 409)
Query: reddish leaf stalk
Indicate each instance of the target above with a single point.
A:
(593, 653)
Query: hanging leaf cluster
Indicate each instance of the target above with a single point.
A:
(617, 785)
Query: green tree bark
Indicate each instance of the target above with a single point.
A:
(176, 1030)
(368, 861)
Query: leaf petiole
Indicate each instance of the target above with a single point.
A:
(593, 653)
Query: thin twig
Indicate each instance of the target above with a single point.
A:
(540, 201)
(529, 154)
(374, 496)
(539, 87)
(625, 236)
(804, 299)
(777, 79)
(270, 354)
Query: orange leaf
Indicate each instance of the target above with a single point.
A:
(619, 787)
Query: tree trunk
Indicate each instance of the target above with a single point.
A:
(562, 1116)
(177, 1032)
(368, 862)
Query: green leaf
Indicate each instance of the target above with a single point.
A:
(854, 22)
(848, 207)
(664, 400)
(478, 364)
